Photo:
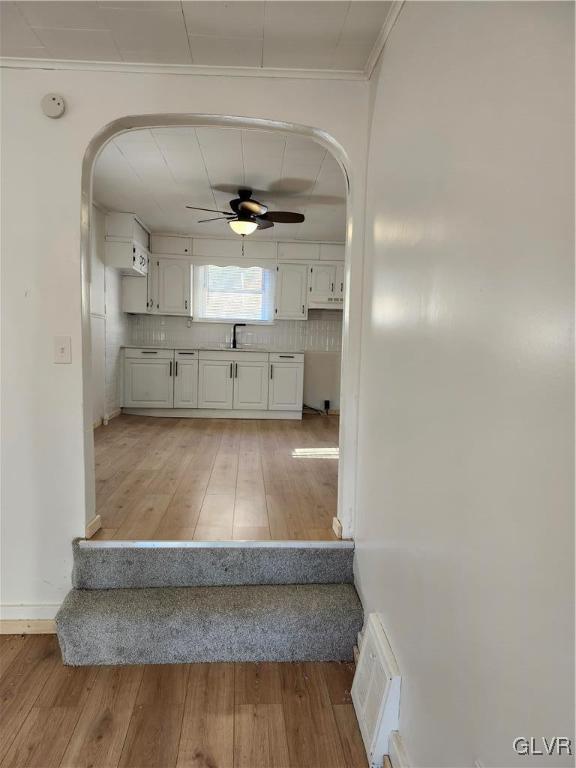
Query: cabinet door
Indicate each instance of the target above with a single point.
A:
(152, 305)
(135, 295)
(251, 385)
(186, 383)
(322, 281)
(339, 288)
(171, 245)
(291, 294)
(174, 287)
(215, 384)
(286, 386)
(148, 383)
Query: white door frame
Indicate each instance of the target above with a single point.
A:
(352, 314)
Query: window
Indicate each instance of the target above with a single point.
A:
(234, 293)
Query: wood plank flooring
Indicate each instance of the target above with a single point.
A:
(265, 715)
(216, 479)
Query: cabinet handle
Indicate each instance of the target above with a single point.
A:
(170, 367)
(176, 368)
(186, 353)
(148, 352)
(341, 287)
(332, 289)
(235, 370)
(186, 304)
(302, 308)
(290, 357)
(271, 371)
(230, 370)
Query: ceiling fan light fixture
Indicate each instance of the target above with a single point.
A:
(243, 226)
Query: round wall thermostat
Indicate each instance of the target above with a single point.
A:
(53, 105)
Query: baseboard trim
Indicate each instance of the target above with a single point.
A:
(337, 527)
(398, 756)
(112, 415)
(27, 627)
(94, 525)
(208, 413)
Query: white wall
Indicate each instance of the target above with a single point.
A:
(465, 538)
(43, 505)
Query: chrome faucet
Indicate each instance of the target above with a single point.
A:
(236, 325)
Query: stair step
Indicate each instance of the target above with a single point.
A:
(125, 564)
(169, 625)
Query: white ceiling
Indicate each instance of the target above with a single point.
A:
(294, 35)
(156, 172)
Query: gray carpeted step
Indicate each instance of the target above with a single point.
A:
(306, 622)
(124, 564)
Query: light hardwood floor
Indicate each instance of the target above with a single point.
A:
(214, 479)
(264, 715)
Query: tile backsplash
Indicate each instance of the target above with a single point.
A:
(322, 332)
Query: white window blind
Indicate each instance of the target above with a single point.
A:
(234, 293)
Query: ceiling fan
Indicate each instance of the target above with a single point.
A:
(248, 214)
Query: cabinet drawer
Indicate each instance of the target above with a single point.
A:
(149, 353)
(234, 355)
(286, 357)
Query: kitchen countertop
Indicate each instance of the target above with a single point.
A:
(215, 348)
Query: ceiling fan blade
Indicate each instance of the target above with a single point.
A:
(216, 218)
(233, 189)
(208, 210)
(284, 217)
(279, 198)
(253, 206)
(264, 223)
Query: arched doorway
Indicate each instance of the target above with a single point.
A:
(352, 314)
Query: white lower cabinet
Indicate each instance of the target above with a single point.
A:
(148, 380)
(286, 382)
(185, 379)
(215, 384)
(218, 381)
(251, 385)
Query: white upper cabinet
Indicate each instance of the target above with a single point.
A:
(217, 249)
(251, 385)
(126, 244)
(331, 252)
(298, 251)
(171, 245)
(135, 295)
(260, 249)
(321, 282)
(340, 277)
(174, 287)
(291, 292)
(128, 256)
(125, 226)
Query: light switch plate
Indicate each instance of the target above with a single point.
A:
(62, 349)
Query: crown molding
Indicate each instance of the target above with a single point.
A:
(387, 27)
(8, 62)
